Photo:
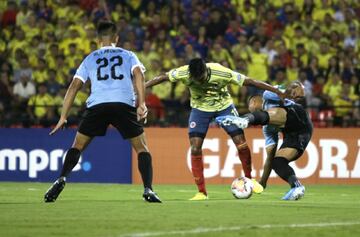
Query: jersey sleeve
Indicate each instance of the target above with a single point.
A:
(135, 62)
(238, 78)
(82, 72)
(179, 74)
(268, 95)
(234, 77)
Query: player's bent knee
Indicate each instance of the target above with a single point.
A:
(139, 143)
(288, 153)
(239, 139)
(195, 150)
(141, 149)
(81, 141)
(277, 116)
(242, 146)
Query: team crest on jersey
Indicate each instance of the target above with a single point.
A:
(192, 125)
(239, 77)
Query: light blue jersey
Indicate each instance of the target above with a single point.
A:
(271, 100)
(271, 132)
(110, 70)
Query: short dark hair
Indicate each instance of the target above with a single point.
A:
(197, 67)
(106, 28)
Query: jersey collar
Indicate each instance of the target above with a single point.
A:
(108, 46)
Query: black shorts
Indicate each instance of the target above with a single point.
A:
(298, 141)
(298, 129)
(96, 120)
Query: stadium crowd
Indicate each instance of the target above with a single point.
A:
(42, 42)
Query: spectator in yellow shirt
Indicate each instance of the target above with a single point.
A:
(40, 75)
(219, 53)
(61, 30)
(241, 50)
(73, 38)
(169, 60)
(335, 42)
(257, 64)
(51, 54)
(307, 24)
(302, 55)
(163, 90)
(292, 72)
(333, 87)
(31, 28)
(343, 107)
(313, 45)
(248, 13)
(319, 13)
(354, 88)
(74, 56)
(147, 55)
(324, 54)
(119, 12)
(280, 78)
(299, 38)
(23, 14)
(328, 25)
(41, 107)
(18, 42)
(74, 110)
(62, 70)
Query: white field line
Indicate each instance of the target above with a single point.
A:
(237, 228)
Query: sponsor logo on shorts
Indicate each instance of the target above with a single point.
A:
(192, 125)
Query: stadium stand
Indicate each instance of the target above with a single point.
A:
(316, 41)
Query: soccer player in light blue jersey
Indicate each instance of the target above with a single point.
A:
(271, 132)
(293, 121)
(117, 98)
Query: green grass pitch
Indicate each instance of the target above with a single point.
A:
(104, 210)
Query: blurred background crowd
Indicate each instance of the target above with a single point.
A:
(42, 42)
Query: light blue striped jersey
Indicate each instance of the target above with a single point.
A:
(110, 70)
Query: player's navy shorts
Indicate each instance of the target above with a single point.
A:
(199, 122)
(298, 129)
(97, 118)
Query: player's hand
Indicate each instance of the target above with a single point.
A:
(60, 125)
(142, 112)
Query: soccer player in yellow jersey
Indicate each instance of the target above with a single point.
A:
(210, 98)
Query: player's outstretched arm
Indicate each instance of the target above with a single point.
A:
(264, 86)
(157, 80)
(74, 87)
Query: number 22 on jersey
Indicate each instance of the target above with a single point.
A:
(103, 63)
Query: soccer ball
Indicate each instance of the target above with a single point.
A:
(242, 188)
